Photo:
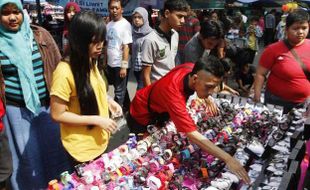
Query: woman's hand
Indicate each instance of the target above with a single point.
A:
(114, 108)
(105, 123)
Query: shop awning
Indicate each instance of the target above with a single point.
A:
(247, 1)
(207, 4)
(33, 1)
(263, 3)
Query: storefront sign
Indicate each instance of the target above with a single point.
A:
(101, 6)
(98, 6)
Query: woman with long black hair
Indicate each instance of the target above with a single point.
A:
(28, 57)
(79, 100)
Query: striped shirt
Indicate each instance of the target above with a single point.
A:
(187, 31)
(13, 90)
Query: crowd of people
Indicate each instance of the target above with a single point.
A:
(55, 109)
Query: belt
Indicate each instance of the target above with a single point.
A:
(44, 102)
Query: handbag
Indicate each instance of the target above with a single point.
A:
(301, 63)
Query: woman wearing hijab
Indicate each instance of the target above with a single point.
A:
(140, 28)
(71, 9)
(28, 56)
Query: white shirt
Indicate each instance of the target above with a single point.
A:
(118, 34)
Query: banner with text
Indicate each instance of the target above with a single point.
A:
(98, 6)
(101, 6)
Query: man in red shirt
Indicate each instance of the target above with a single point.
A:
(287, 82)
(169, 95)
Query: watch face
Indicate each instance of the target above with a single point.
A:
(105, 176)
(167, 154)
(79, 170)
(150, 129)
(175, 137)
(283, 126)
(271, 142)
(142, 179)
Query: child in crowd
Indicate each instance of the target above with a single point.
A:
(253, 34)
(280, 29)
(224, 88)
(71, 9)
(79, 100)
(245, 79)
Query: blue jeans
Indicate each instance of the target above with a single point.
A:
(37, 153)
(139, 79)
(275, 100)
(120, 86)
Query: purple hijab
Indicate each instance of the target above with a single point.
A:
(138, 32)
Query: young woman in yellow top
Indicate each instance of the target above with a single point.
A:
(79, 100)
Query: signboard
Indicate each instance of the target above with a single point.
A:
(101, 6)
(132, 4)
(130, 7)
(98, 6)
(156, 4)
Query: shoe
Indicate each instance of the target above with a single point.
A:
(256, 167)
(221, 183)
(253, 174)
(256, 148)
(281, 148)
(210, 188)
(231, 176)
(242, 157)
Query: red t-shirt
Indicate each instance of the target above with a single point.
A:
(169, 94)
(2, 112)
(287, 79)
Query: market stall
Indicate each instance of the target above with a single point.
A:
(269, 145)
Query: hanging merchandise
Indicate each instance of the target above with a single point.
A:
(288, 7)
